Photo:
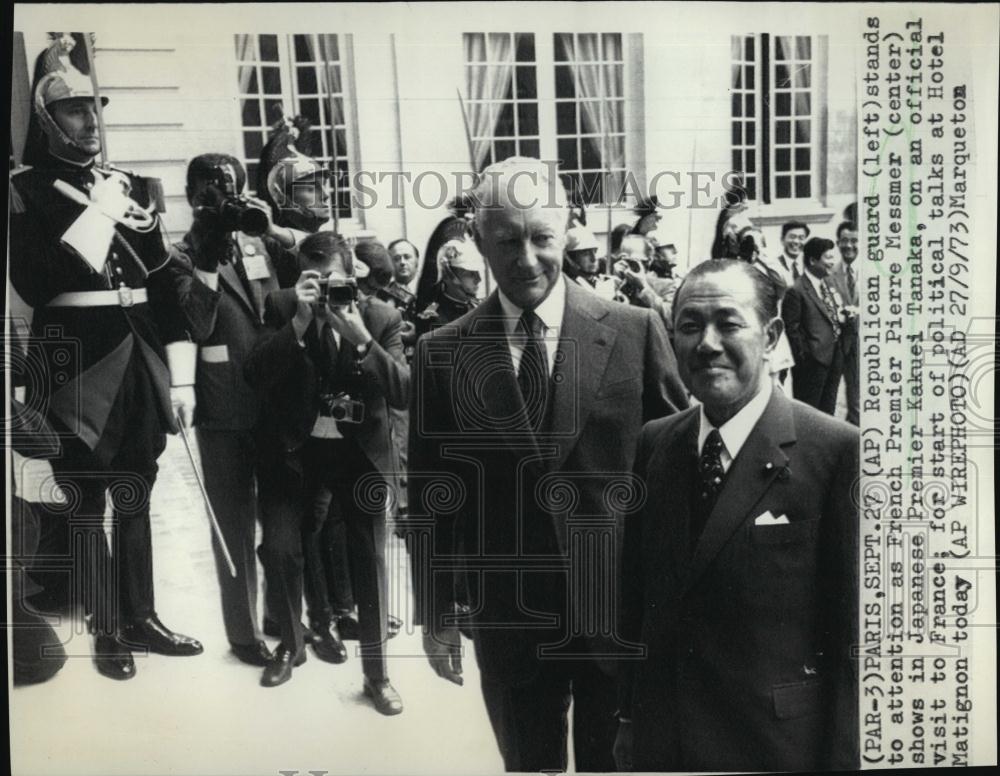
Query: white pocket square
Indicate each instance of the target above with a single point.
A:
(768, 519)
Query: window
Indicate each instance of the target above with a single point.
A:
(773, 125)
(552, 97)
(590, 110)
(288, 75)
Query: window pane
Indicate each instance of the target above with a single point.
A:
(564, 46)
(735, 48)
(252, 144)
(801, 131)
(782, 79)
(586, 46)
(782, 131)
(504, 149)
(332, 45)
(474, 74)
(737, 133)
(245, 47)
(307, 80)
(737, 77)
(748, 48)
(737, 105)
(526, 83)
(498, 42)
(804, 45)
(310, 110)
(750, 184)
(564, 82)
(248, 80)
(782, 160)
(341, 147)
(565, 118)
(572, 185)
(783, 186)
(783, 49)
(614, 115)
(477, 46)
(592, 192)
(612, 46)
(783, 104)
(737, 159)
(751, 161)
(269, 48)
(750, 77)
(802, 186)
(505, 120)
(271, 77)
(590, 153)
(251, 175)
(303, 49)
(273, 111)
(751, 134)
(801, 159)
(803, 104)
(251, 113)
(567, 154)
(527, 118)
(529, 148)
(803, 76)
(332, 73)
(525, 47)
(613, 80)
(749, 105)
(616, 151)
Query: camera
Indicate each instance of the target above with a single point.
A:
(338, 292)
(633, 265)
(343, 408)
(235, 212)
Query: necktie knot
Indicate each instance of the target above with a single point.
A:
(531, 325)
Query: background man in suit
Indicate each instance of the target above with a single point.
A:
(537, 393)
(227, 275)
(327, 370)
(815, 318)
(740, 571)
(846, 277)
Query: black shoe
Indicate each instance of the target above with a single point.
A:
(271, 629)
(256, 654)
(347, 626)
(328, 646)
(394, 625)
(152, 634)
(384, 696)
(112, 658)
(279, 669)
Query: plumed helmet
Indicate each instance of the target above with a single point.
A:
(284, 161)
(54, 87)
(580, 238)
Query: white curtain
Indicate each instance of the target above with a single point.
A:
(484, 85)
(245, 53)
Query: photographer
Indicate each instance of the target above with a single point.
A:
(631, 266)
(328, 368)
(229, 273)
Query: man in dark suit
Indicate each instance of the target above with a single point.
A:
(740, 571)
(327, 370)
(815, 318)
(846, 277)
(87, 253)
(226, 276)
(523, 417)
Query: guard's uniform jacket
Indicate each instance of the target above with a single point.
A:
(87, 349)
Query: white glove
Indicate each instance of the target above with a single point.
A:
(183, 402)
(110, 195)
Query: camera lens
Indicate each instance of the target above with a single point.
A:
(253, 221)
(338, 412)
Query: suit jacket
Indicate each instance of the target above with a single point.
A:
(226, 323)
(525, 507)
(288, 381)
(86, 350)
(849, 337)
(808, 324)
(748, 636)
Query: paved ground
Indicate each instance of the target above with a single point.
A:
(208, 715)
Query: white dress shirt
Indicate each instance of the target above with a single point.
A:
(549, 312)
(736, 430)
(817, 284)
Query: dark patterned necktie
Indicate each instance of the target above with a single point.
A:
(831, 307)
(710, 478)
(852, 290)
(533, 371)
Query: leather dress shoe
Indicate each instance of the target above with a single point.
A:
(384, 696)
(347, 626)
(256, 654)
(112, 658)
(279, 669)
(152, 634)
(328, 645)
(271, 629)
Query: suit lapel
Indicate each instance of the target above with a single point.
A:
(227, 274)
(585, 345)
(815, 299)
(758, 464)
(679, 473)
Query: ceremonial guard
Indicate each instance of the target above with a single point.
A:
(87, 253)
(460, 273)
(582, 266)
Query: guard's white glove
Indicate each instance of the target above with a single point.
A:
(110, 195)
(182, 399)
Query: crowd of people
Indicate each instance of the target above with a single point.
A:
(316, 371)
